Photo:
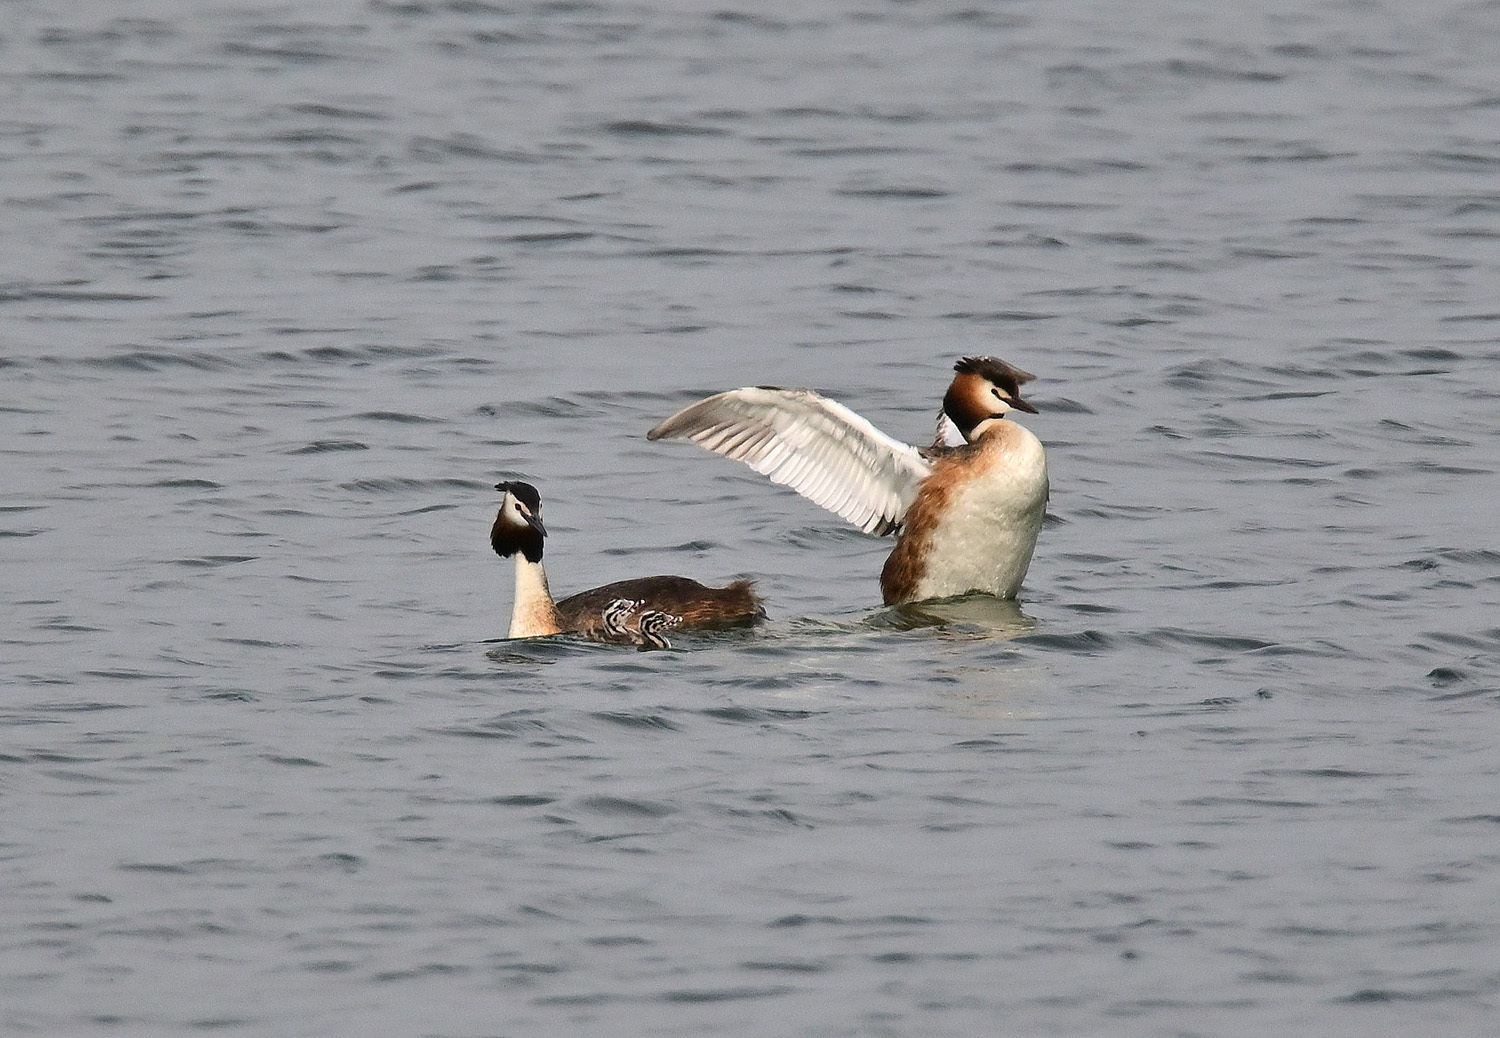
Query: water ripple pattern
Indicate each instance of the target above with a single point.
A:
(288, 287)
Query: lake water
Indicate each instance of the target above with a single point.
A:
(287, 288)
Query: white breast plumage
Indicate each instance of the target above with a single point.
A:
(983, 538)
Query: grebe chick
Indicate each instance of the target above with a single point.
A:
(636, 612)
(966, 511)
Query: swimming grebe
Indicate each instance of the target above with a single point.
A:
(637, 611)
(966, 511)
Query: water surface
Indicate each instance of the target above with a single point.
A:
(289, 287)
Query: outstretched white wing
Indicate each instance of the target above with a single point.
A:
(814, 445)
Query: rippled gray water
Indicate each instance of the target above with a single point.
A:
(285, 290)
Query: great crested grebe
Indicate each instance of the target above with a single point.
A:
(966, 511)
(637, 611)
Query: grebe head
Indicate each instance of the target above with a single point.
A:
(518, 525)
(983, 389)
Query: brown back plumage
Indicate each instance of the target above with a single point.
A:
(685, 601)
(906, 563)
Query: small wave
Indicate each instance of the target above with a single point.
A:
(89, 706)
(1381, 996)
(631, 719)
(328, 111)
(654, 128)
(1475, 318)
(691, 547)
(552, 407)
(1163, 636)
(344, 355)
(897, 192)
(397, 417)
(329, 447)
(626, 806)
(999, 316)
(549, 237)
(1090, 641)
(13, 294)
(1472, 556)
(1204, 70)
(840, 151)
(513, 725)
(212, 561)
(696, 996)
(467, 146)
(401, 485)
(757, 715)
(153, 360)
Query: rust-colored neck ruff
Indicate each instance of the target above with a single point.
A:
(966, 402)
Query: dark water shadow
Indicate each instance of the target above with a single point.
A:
(554, 647)
(972, 615)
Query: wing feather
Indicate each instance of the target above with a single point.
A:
(814, 445)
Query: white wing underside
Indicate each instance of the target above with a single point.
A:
(814, 445)
(947, 433)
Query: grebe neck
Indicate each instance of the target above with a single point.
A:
(534, 613)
